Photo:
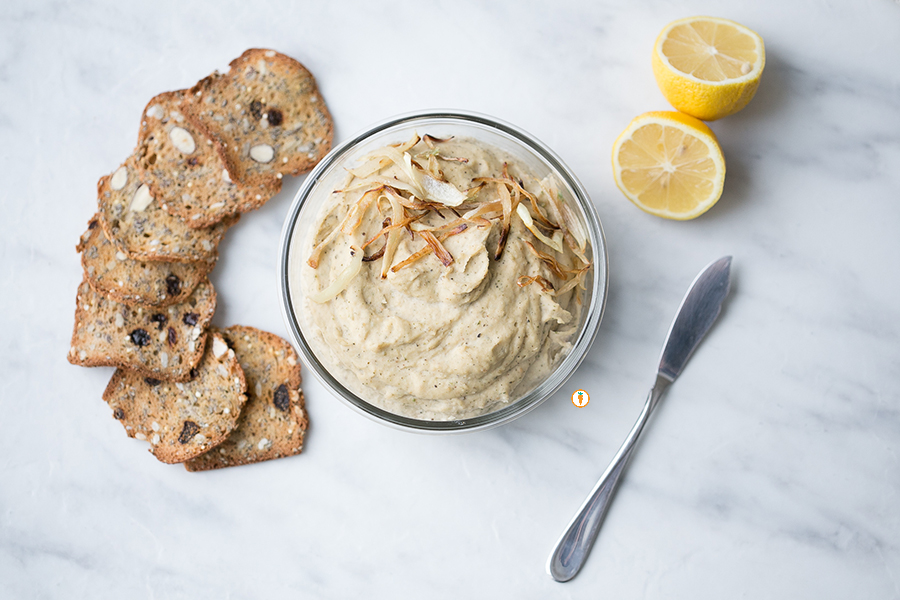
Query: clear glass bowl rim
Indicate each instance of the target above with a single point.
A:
(541, 392)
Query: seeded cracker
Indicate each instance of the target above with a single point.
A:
(164, 343)
(136, 223)
(186, 171)
(274, 422)
(181, 420)
(267, 113)
(149, 283)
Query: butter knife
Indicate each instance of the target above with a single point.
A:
(698, 310)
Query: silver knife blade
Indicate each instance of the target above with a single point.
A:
(699, 309)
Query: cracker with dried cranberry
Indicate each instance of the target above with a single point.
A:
(181, 420)
(148, 283)
(186, 171)
(267, 114)
(273, 423)
(138, 225)
(163, 343)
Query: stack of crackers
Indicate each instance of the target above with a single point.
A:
(202, 396)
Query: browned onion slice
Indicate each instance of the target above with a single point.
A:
(439, 251)
(525, 281)
(427, 249)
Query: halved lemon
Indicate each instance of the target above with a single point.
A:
(708, 67)
(669, 164)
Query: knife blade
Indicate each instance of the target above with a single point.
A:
(699, 309)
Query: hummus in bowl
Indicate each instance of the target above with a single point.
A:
(443, 272)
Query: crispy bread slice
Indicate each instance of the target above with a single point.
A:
(186, 171)
(181, 420)
(267, 114)
(273, 423)
(163, 343)
(147, 283)
(137, 224)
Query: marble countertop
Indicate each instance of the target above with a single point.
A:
(771, 469)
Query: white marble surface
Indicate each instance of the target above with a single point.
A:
(770, 471)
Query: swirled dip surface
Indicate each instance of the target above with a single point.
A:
(434, 341)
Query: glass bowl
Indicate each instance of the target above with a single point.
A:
(330, 174)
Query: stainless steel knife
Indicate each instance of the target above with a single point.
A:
(698, 310)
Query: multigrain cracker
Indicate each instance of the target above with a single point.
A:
(181, 420)
(186, 171)
(163, 343)
(267, 114)
(273, 423)
(204, 156)
(149, 283)
(137, 224)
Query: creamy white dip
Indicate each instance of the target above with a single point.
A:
(430, 341)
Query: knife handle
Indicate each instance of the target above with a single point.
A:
(576, 542)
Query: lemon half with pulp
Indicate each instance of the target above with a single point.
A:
(708, 67)
(669, 164)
